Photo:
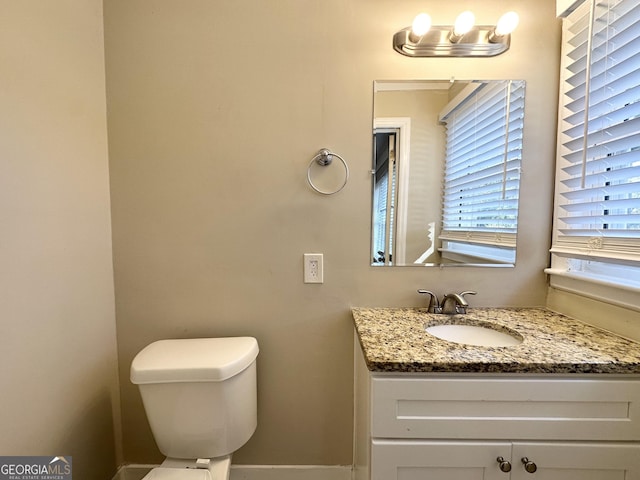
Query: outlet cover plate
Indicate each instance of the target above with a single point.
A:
(313, 268)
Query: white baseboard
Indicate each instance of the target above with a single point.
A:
(257, 472)
(290, 472)
(132, 472)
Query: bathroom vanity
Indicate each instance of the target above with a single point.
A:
(564, 403)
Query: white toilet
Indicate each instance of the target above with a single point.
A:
(200, 398)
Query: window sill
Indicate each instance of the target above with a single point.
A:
(623, 295)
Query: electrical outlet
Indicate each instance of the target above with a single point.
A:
(313, 268)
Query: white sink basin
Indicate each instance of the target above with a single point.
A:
(474, 335)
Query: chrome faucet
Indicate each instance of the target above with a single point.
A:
(459, 302)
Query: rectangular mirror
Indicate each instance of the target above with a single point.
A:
(446, 172)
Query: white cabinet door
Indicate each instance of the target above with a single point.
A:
(577, 461)
(426, 460)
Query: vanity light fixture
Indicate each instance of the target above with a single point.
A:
(463, 39)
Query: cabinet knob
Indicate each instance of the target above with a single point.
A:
(503, 465)
(529, 466)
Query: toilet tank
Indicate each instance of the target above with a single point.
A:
(199, 394)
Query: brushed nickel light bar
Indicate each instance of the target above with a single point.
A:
(463, 39)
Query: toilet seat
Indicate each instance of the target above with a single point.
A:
(178, 474)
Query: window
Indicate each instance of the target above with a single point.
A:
(482, 171)
(597, 212)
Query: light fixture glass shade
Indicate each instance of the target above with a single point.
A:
(507, 23)
(464, 23)
(421, 24)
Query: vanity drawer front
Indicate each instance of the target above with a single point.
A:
(497, 408)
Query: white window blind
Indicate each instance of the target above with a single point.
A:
(598, 180)
(482, 166)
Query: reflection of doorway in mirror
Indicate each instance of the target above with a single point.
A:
(384, 194)
(390, 179)
(421, 191)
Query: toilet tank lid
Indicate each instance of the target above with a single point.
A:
(193, 360)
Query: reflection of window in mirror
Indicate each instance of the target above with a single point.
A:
(484, 124)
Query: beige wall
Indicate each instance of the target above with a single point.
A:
(215, 110)
(58, 372)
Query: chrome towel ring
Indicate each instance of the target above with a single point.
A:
(324, 157)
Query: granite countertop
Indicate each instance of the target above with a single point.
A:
(395, 340)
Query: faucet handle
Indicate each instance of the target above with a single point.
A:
(463, 308)
(434, 304)
(468, 292)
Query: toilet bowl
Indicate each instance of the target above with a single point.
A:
(200, 398)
